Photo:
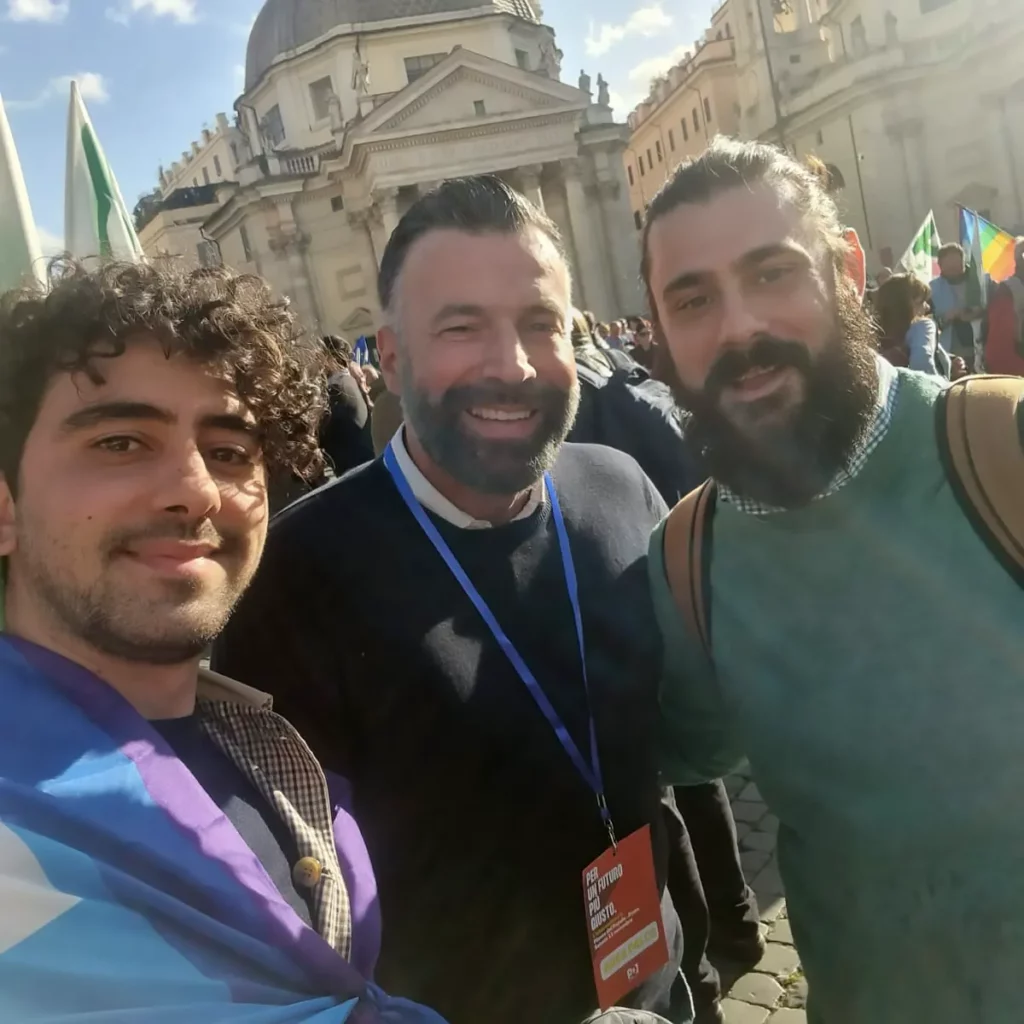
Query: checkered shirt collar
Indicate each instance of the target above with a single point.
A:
(272, 755)
(888, 391)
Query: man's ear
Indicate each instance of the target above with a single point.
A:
(8, 533)
(387, 352)
(854, 262)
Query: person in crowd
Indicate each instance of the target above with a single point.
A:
(885, 275)
(949, 304)
(169, 847)
(644, 348)
(484, 665)
(830, 183)
(345, 432)
(585, 350)
(1004, 346)
(906, 333)
(843, 580)
(601, 332)
(616, 339)
(375, 383)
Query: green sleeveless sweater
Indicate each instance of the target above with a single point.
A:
(870, 665)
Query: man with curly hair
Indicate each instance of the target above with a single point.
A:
(169, 848)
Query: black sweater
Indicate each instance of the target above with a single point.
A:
(478, 824)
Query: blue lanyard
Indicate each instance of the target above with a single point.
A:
(591, 773)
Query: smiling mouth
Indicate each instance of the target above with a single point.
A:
(502, 415)
(173, 558)
(759, 381)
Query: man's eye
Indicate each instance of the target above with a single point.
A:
(119, 445)
(231, 456)
(692, 304)
(458, 330)
(769, 275)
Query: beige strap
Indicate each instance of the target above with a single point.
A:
(686, 560)
(984, 438)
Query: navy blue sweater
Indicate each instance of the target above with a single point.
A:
(478, 824)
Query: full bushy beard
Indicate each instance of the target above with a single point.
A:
(786, 461)
(489, 466)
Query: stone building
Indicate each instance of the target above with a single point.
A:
(352, 108)
(689, 105)
(917, 104)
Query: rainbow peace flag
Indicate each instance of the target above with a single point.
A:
(995, 244)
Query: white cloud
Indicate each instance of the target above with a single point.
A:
(646, 21)
(643, 72)
(50, 242)
(182, 11)
(92, 86)
(37, 10)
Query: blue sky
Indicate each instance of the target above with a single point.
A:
(153, 72)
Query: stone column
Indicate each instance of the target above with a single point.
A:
(596, 292)
(1006, 167)
(386, 201)
(290, 246)
(529, 179)
(907, 138)
(252, 131)
(367, 236)
(367, 223)
(622, 241)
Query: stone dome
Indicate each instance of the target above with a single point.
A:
(284, 25)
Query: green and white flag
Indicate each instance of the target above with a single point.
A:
(96, 220)
(922, 258)
(20, 255)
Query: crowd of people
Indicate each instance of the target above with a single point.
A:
(474, 689)
(935, 329)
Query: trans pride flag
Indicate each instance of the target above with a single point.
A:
(126, 896)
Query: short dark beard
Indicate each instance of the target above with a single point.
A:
(791, 461)
(127, 626)
(485, 466)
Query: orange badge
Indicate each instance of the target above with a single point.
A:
(627, 934)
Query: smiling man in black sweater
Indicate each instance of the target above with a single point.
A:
(417, 620)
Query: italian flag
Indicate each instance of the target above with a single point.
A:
(922, 258)
(96, 220)
(20, 255)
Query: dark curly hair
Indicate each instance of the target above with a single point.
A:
(228, 322)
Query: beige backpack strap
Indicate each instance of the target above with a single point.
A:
(980, 430)
(687, 552)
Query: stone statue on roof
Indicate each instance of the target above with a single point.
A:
(550, 59)
(360, 74)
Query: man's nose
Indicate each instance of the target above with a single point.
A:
(740, 321)
(187, 486)
(508, 359)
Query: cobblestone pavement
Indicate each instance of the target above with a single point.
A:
(775, 991)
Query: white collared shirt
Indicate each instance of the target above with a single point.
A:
(434, 501)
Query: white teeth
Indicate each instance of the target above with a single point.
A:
(501, 414)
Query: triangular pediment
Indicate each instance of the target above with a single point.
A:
(468, 86)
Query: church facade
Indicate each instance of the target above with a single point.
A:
(353, 108)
